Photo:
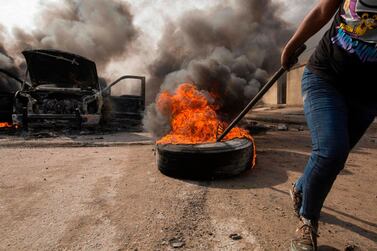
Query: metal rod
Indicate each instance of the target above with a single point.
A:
(261, 93)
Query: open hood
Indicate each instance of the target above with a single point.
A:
(60, 69)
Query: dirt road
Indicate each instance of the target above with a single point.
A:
(114, 198)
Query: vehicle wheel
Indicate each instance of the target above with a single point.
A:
(205, 161)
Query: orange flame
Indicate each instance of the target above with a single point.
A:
(5, 125)
(193, 119)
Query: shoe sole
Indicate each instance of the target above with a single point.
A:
(293, 248)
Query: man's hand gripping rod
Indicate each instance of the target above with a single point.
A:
(261, 93)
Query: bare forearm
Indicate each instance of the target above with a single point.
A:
(312, 23)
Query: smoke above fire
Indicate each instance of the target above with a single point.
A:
(7, 63)
(227, 50)
(99, 30)
(228, 47)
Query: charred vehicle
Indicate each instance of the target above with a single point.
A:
(9, 85)
(63, 89)
(6, 106)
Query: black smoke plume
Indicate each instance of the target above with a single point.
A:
(7, 63)
(230, 50)
(97, 29)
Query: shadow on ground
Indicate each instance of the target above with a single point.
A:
(334, 220)
(122, 137)
(271, 169)
(277, 158)
(327, 248)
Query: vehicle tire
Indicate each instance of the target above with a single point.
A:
(205, 161)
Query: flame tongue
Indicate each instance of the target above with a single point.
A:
(5, 125)
(193, 118)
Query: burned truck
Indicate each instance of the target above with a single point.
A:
(64, 90)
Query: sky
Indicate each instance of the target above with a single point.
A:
(21, 13)
(18, 13)
(149, 16)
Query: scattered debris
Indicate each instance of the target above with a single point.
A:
(177, 242)
(351, 247)
(235, 237)
(373, 140)
(255, 128)
(282, 127)
(40, 134)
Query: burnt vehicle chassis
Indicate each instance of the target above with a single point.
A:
(64, 91)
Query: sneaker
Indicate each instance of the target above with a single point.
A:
(306, 236)
(296, 197)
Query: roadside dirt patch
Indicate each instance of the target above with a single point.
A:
(114, 198)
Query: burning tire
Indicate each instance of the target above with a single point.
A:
(204, 161)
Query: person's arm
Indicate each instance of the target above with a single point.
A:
(312, 23)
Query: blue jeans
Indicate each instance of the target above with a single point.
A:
(336, 124)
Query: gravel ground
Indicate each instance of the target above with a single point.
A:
(114, 198)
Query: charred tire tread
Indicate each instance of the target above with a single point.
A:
(213, 160)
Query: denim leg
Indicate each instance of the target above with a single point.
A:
(327, 117)
(360, 117)
(336, 125)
